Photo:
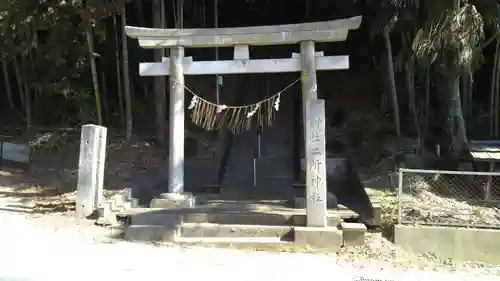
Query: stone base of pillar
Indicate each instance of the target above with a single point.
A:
(174, 201)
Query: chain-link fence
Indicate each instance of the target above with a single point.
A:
(449, 198)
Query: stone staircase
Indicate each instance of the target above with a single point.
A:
(218, 220)
(273, 180)
(200, 173)
(108, 210)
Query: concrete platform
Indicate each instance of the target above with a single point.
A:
(232, 213)
(300, 203)
(247, 222)
(173, 200)
(353, 234)
(233, 231)
(238, 242)
(329, 238)
(462, 244)
(151, 233)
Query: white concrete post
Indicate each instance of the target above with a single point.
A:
(176, 129)
(91, 169)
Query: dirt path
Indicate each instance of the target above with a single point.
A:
(40, 249)
(53, 245)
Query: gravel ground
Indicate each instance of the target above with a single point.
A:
(50, 247)
(53, 246)
(58, 247)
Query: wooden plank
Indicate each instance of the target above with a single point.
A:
(316, 192)
(254, 39)
(15, 152)
(244, 66)
(159, 33)
(91, 169)
(176, 129)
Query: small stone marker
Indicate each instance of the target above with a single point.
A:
(316, 193)
(91, 169)
(15, 155)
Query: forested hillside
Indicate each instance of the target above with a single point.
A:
(429, 70)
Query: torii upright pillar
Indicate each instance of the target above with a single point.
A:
(176, 128)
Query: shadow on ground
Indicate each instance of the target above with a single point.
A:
(51, 183)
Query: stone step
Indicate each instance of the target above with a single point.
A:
(151, 233)
(332, 220)
(353, 233)
(107, 211)
(204, 199)
(265, 191)
(251, 242)
(229, 217)
(242, 172)
(237, 218)
(261, 218)
(327, 238)
(300, 203)
(255, 236)
(173, 201)
(234, 230)
(274, 168)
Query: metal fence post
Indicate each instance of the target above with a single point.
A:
(400, 193)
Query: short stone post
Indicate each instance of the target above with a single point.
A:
(91, 169)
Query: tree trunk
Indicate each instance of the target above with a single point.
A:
(93, 68)
(118, 72)
(455, 138)
(19, 81)
(392, 81)
(126, 80)
(8, 86)
(466, 90)
(104, 91)
(427, 98)
(145, 83)
(28, 108)
(31, 96)
(496, 97)
(470, 100)
(140, 11)
(460, 132)
(493, 89)
(159, 82)
(410, 87)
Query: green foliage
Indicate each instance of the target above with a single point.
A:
(47, 40)
(449, 30)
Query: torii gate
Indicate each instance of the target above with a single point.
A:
(308, 62)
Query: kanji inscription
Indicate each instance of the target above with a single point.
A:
(316, 163)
